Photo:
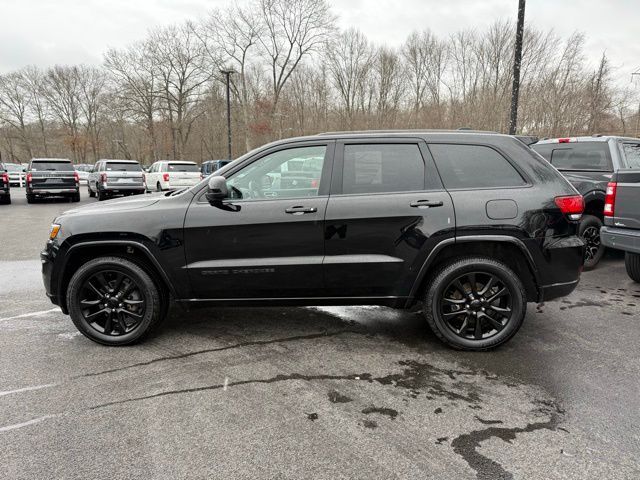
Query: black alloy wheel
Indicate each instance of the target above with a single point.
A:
(589, 231)
(112, 303)
(476, 305)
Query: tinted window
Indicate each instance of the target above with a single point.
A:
(474, 166)
(375, 168)
(122, 167)
(632, 154)
(183, 167)
(577, 155)
(294, 172)
(51, 166)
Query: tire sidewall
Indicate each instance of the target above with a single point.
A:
(586, 222)
(142, 279)
(446, 276)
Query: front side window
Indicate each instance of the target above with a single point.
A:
(474, 166)
(632, 154)
(290, 173)
(381, 168)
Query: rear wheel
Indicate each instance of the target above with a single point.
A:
(158, 187)
(75, 197)
(5, 200)
(113, 301)
(632, 263)
(30, 198)
(589, 231)
(475, 303)
(91, 192)
(101, 195)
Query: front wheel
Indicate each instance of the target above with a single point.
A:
(632, 264)
(589, 231)
(475, 303)
(113, 301)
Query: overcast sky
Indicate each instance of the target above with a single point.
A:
(46, 32)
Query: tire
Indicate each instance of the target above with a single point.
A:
(144, 291)
(101, 195)
(91, 192)
(75, 197)
(632, 264)
(589, 231)
(158, 187)
(30, 198)
(441, 314)
(5, 200)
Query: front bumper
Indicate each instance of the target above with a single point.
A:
(624, 239)
(47, 275)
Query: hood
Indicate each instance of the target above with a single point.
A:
(118, 204)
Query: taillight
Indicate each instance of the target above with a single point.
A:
(103, 178)
(564, 140)
(610, 199)
(76, 177)
(29, 178)
(165, 177)
(572, 206)
(5, 178)
(314, 183)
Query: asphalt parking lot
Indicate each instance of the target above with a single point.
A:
(287, 393)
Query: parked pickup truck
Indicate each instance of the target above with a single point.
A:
(622, 218)
(588, 163)
(52, 177)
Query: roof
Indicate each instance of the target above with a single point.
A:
(188, 162)
(50, 160)
(117, 160)
(588, 138)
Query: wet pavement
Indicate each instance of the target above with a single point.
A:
(327, 392)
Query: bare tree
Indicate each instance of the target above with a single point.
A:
(14, 101)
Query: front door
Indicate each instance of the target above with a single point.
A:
(267, 239)
(386, 212)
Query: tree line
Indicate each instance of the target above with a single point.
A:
(296, 74)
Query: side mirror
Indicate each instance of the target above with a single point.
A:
(217, 189)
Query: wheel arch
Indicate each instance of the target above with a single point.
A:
(132, 250)
(510, 250)
(594, 203)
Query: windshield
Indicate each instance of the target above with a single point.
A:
(183, 167)
(51, 166)
(123, 167)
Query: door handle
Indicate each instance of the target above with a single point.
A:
(426, 204)
(300, 210)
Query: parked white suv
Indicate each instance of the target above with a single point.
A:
(168, 174)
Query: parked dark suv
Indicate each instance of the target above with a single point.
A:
(5, 185)
(52, 177)
(473, 225)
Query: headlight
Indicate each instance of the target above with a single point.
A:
(53, 231)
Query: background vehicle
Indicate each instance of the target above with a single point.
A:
(49, 177)
(622, 218)
(16, 172)
(5, 186)
(379, 227)
(588, 163)
(83, 170)
(168, 174)
(210, 166)
(115, 177)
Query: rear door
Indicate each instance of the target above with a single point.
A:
(386, 212)
(266, 240)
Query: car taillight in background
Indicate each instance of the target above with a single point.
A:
(610, 199)
(103, 178)
(5, 178)
(76, 177)
(29, 178)
(572, 206)
(165, 177)
(314, 183)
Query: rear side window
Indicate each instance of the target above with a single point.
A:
(122, 167)
(377, 168)
(51, 166)
(474, 166)
(632, 154)
(594, 156)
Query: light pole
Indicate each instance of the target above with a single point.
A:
(638, 115)
(517, 58)
(227, 74)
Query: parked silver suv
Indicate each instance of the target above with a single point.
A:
(115, 177)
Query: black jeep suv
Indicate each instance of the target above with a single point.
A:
(473, 225)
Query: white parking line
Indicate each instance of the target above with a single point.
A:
(31, 314)
(26, 424)
(27, 389)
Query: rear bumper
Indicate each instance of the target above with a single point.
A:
(122, 188)
(557, 290)
(621, 239)
(52, 191)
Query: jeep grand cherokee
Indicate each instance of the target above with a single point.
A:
(471, 225)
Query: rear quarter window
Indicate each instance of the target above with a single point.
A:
(474, 166)
(631, 154)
